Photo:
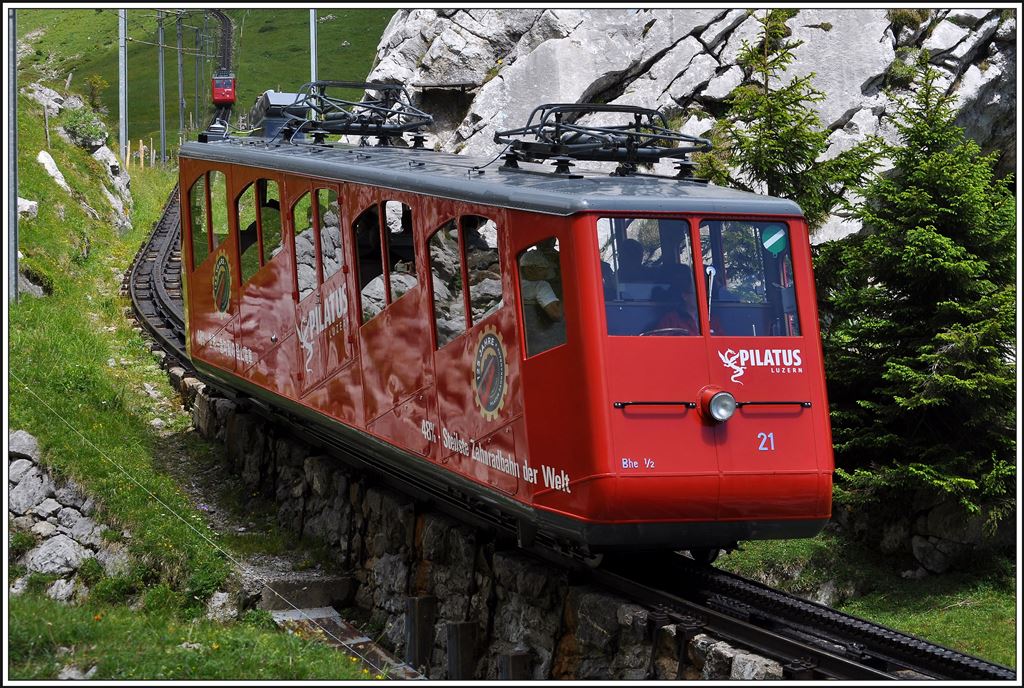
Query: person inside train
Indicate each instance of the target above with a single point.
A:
(541, 289)
(680, 315)
(631, 259)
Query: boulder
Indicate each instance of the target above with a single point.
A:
(27, 210)
(718, 663)
(59, 554)
(21, 445)
(748, 667)
(48, 507)
(46, 160)
(18, 469)
(33, 488)
(221, 608)
(43, 529)
(88, 532)
(62, 590)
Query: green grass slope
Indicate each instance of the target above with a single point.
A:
(271, 50)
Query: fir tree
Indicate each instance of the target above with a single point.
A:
(773, 137)
(919, 321)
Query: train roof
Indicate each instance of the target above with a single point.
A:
(533, 187)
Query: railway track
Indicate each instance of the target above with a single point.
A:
(811, 641)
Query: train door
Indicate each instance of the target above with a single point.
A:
(770, 449)
(265, 268)
(320, 290)
(212, 269)
(656, 364)
(387, 266)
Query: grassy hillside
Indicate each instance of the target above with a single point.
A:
(271, 50)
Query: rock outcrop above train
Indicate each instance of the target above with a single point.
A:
(683, 62)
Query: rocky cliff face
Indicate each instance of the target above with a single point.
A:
(683, 62)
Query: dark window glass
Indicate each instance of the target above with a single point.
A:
(648, 277)
(480, 235)
(401, 248)
(748, 270)
(446, 275)
(540, 291)
(305, 246)
(200, 237)
(366, 231)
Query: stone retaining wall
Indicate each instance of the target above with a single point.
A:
(395, 549)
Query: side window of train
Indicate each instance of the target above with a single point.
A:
(305, 246)
(330, 231)
(540, 292)
(748, 271)
(197, 211)
(446, 275)
(270, 218)
(480, 237)
(366, 231)
(218, 207)
(248, 241)
(401, 248)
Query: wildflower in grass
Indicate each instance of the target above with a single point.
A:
(216, 646)
(98, 617)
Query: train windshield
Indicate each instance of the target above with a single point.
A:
(748, 271)
(649, 278)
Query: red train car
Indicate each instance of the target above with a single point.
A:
(222, 87)
(615, 361)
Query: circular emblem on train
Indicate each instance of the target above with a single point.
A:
(490, 374)
(222, 283)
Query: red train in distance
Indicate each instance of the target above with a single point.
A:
(616, 361)
(222, 87)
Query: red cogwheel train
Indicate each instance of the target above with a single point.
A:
(617, 360)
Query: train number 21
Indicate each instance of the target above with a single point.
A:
(767, 441)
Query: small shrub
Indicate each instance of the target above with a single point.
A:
(84, 125)
(115, 589)
(39, 582)
(19, 543)
(906, 18)
(162, 598)
(900, 73)
(90, 572)
(259, 618)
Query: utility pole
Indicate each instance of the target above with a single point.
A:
(12, 159)
(195, 103)
(163, 105)
(181, 81)
(122, 84)
(312, 45)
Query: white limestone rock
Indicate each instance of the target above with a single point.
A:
(845, 60)
(722, 85)
(967, 17)
(62, 590)
(27, 210)
(945, 35)
(46, 160)
(88, 532)
(45, 96)
(48, 507)
(43, 529)
(21, 445)
(17, 469)
(34, 487)
(59, 554)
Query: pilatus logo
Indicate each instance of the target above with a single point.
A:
(222, 283)
(490, 374)
(729, 359)
(777, 360)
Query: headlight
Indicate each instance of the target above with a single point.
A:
(722, 406)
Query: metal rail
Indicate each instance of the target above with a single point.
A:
(808, 639)
(154, 283)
